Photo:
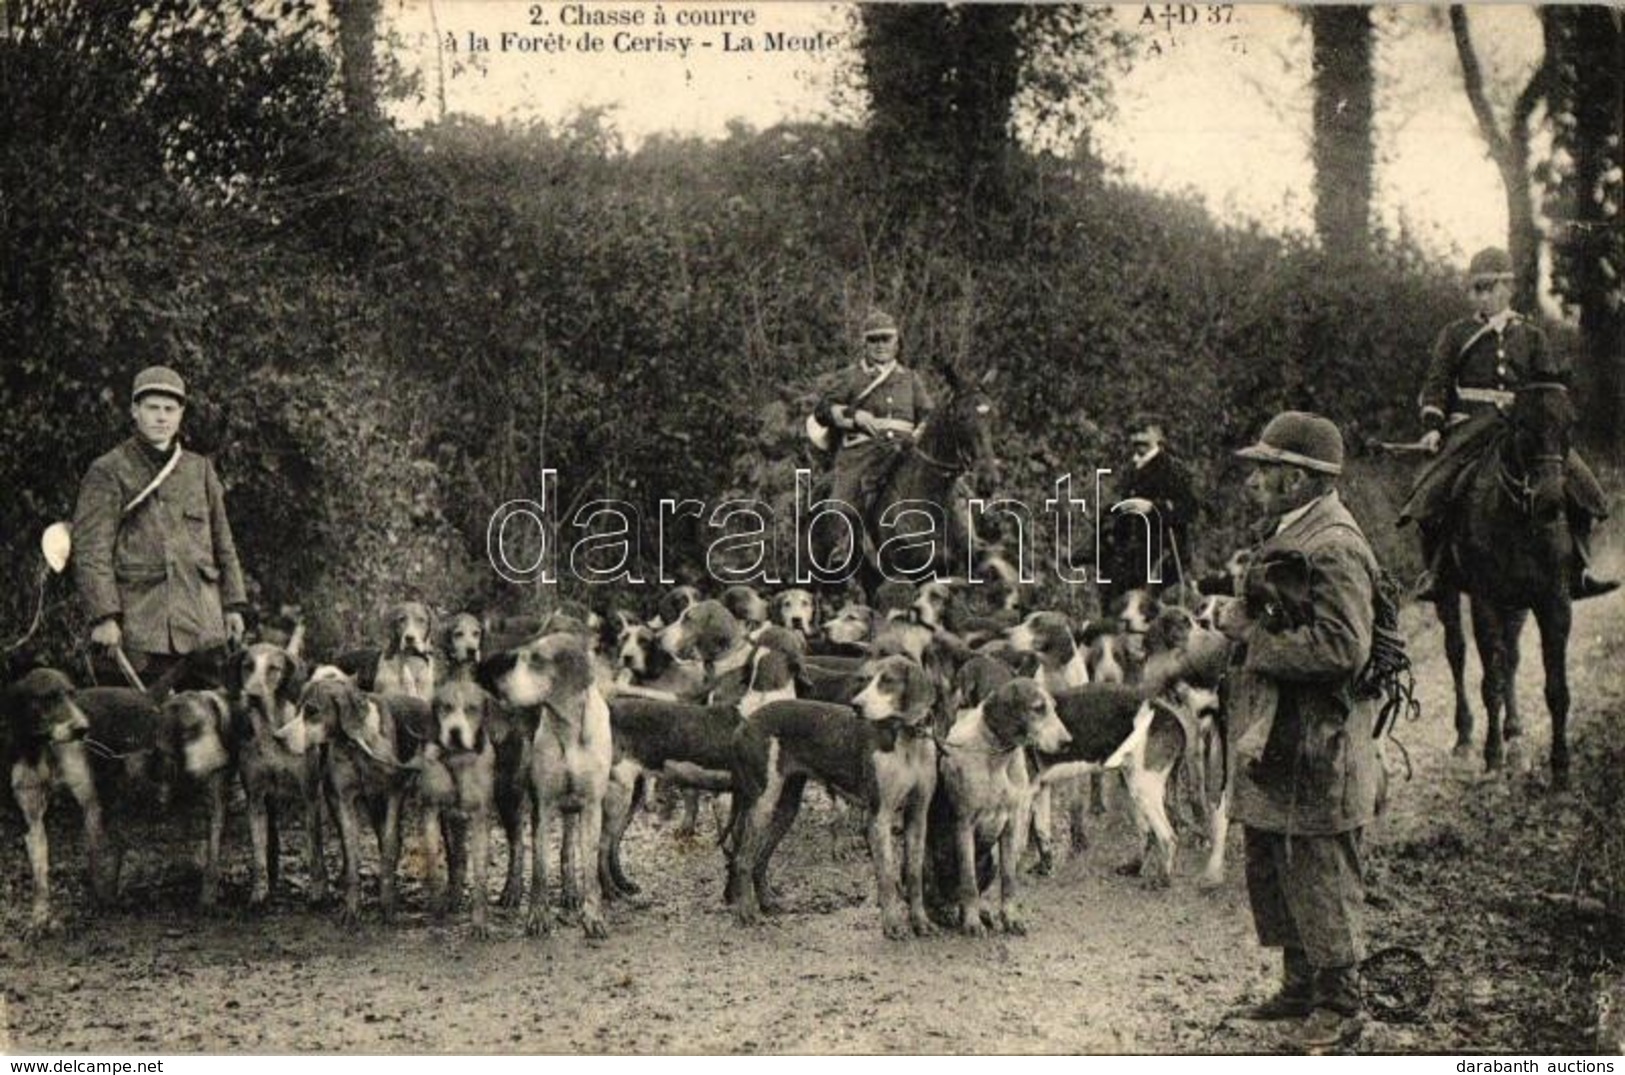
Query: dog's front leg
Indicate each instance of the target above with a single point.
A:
(259, 838)
(210, 893)
(590, 822)
(1009, 855)
(1218, 820)
(316, 859)
(75, 770)
(569, 887)
(350, 840)
(914, 860)
(892, 920)
(539, 921)
(1041, 820)
(433, 856)
(970, 897)
(479, 850)
(32, 793)
(388, 825)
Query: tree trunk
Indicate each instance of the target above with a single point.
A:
(1343, 152)
(358, 29)
(1588, 53)
(1599, 119)
(1510, 152)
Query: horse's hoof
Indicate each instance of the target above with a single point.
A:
(1462, 749)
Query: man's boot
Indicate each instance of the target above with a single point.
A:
(1585, 584)
(1433, 585)
(1295, 998)
(1339, 1011)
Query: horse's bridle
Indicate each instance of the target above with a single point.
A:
(1518, 486)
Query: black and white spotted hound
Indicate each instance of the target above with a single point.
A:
(878, 752)
(986, 775)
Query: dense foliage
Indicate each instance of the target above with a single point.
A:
(391, 332)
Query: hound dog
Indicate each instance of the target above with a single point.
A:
(44, 745)
(1115, 727)
(372, 746)
(108, 742)
(878, 752)
(1062, 666)
(796, 609)
(407, 665)
(194, 733)
(572, 752)
(946, 604)
(461, 639)
(747, 606)
(264, 684)
(673, 603)
(985, 771)
(459, 792)
(689, 745)
(645, 669)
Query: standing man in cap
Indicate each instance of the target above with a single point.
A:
(866, 411)
(153, 557)
(1304, 761)
(1478, 362)
(1158, 487)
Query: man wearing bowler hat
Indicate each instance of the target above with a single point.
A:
(153, 558)
(1478, 363)
(1304, 763)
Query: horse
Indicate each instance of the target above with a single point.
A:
(1513, 556)
(912, 499)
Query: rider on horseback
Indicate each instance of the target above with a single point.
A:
(1477, 364)
(874, 408)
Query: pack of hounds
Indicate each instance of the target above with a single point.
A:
(945, 724)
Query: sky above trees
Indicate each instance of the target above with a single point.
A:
(1218, 106)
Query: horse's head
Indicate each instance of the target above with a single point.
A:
(958, 432)
(1542, 419)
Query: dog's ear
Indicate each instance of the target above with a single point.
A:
(351, 707)
(293, 679)
(222, 712)
(235, 671)
(1003, 711)
(919, 693)
(574, 673)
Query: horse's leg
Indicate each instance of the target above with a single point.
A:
(1555, 619)
(1511, 630)
(1487, 633)
(1448, 609)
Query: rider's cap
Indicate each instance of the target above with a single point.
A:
(1491, 263)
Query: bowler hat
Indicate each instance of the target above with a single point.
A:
(879, 321)
(1300, 439)
(158, 379)
(1491, 263)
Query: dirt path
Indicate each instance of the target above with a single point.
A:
(1107, 966)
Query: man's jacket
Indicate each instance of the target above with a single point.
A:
(169, 568)
(1303, 757)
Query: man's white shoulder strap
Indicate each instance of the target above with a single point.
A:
(158, 479)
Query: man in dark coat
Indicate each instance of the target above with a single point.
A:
(1478, 362)
(1157, 490)
(1303, 759)
(153, 556)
